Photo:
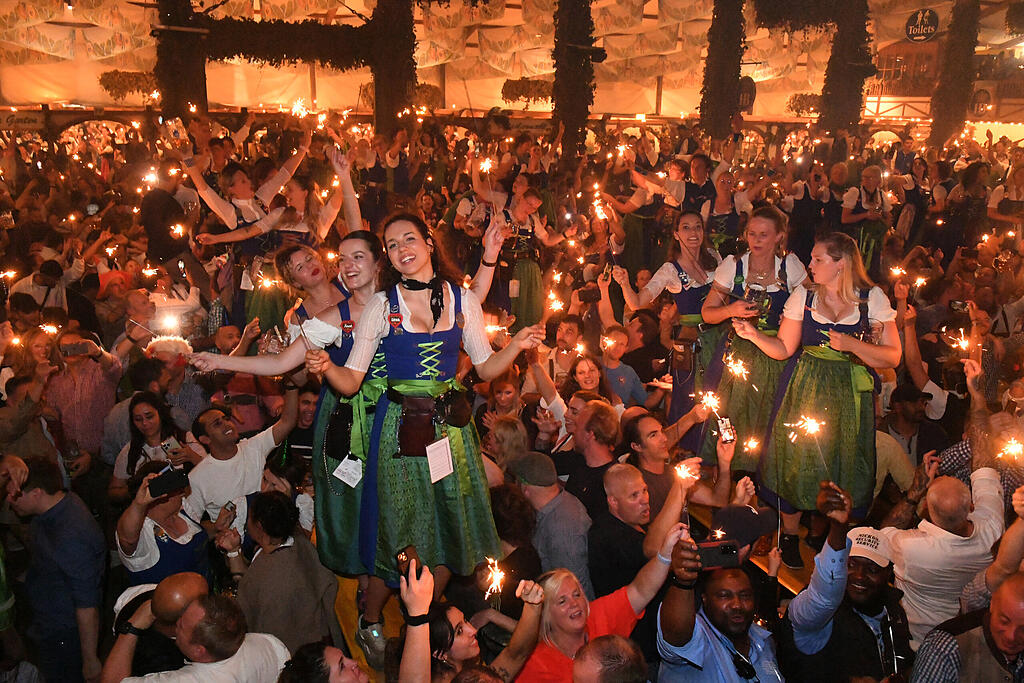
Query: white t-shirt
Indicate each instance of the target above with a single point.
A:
(373, 326)
(147, 552)
(879, 308)
(259, 660)
(725, 274)
(215, 482)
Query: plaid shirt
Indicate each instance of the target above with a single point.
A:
(938, 660)
(955, 461)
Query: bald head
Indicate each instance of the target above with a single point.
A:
(1006, 615)
(949, 503)
(628, 499)
(173, 595)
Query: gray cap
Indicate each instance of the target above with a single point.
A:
(533, 469)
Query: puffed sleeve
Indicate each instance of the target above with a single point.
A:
(794, 308)
(851, 198)
(474, 336)
(879, 307)
(726, 272)
(372, 327)
(796, 273)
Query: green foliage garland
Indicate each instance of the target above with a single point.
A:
(849, 66)
(120, 84)
(573, 89)
(1015, 18)
(277, 43)
(955, 86)
(526, 89)
(720, 95)
(804, 104)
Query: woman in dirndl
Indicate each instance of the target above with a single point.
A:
(833, 331)
(1006, 204)
(438, 504)
(915, 188)
(753, 286)
(687, 277)
(866, 217)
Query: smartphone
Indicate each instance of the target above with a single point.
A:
(718, 554)
(590, 295)
(970, 253)
(230, 506)
(170, 444)
(727, 431)
(406, 555)
(958, 306)
(75, 349)
(168, 482)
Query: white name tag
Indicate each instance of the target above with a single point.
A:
(349, 471)
(439, 459)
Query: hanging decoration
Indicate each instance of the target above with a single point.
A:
(527, 90)
(720, 95)
(120, 84)
(574, 57)
(955, 86)
(849, 64)
(804, 104)
(1015, 19)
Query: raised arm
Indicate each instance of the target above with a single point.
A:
(266, 365)
(289, 416)
(349, 200)
(652, 575)
(678, 613)
(274, 184)
(671, 512)
(129, 525)
(510, 661)
(526, 338)
(224, 209)
(416, 594)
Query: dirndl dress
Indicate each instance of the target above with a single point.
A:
(824, 384)
(449, 521)
(746, 401)
(341, 430)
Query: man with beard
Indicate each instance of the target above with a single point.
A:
(300, 441)
(559, 360)
(718, 643)
(848, 619)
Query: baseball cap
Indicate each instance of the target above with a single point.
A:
(908, 393)
(533, 469)
(870, 543)
(742, 523)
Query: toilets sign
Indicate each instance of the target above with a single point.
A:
(922, 25)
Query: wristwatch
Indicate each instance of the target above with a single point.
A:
(126, 627)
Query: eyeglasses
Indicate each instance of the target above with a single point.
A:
(744, 669)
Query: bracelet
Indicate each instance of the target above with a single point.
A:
(489, 264)
(233, 553)
(417, 620)
(685, 585)
(664, 560)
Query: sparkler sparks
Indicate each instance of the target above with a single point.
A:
(719, 534)
(9, 274)
(49, 329)
(580, 349)
(897, 271)
(737, 367)
(178, 230)
(486, 165)
(554, 303)
(810, 426)
(299, 109)
(920, 282)
(1013, 449)
(685, 471)
(751, 445)
(607, 343)
(169, 322)
(494, 578)
(710, 400)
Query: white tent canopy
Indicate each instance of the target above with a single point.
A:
(52, 55)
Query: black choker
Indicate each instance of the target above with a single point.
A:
(436, 293)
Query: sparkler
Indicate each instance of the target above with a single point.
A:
(49, 329)
(719, 534)
(486, 165)
(150, 272)
(685, 471)
(16, 341)
(1013, 449)
(494, 329)
(331, 256)
(810, 426)
(467, 282)
(897, 271)
(751, 445)
(494, 578)
(9, 274)
(607, 343)
(920, 282)
(299, 109)
(169, 322)
(178, 230)
(110, 251)
(580, 349)
(554, 303)
(710, 400)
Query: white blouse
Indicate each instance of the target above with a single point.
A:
(879, 308)
(725, 274)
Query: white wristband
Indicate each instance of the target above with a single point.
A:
(664, 560)
(233, 553)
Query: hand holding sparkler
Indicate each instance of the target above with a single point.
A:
(417, 590)
(530, 593)
(495, 577)
(744, 492)
(318, 362)
(685, 559)
(834, 503)
(688, 472)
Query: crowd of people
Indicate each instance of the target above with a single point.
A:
(564, 415)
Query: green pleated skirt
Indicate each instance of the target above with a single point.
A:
(528, 307)
(449, 522)
(747, 403)
(839, 393)
(336, 504)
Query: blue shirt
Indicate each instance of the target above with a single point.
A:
(66, 573)
(708, 656)
(626, 383)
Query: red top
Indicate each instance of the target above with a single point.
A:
(611, 614)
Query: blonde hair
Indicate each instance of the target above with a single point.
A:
(552, 582)
(510, 438)
(842, 247)
(168, 344)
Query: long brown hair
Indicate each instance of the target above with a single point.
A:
(443, 267)
(704, 258)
